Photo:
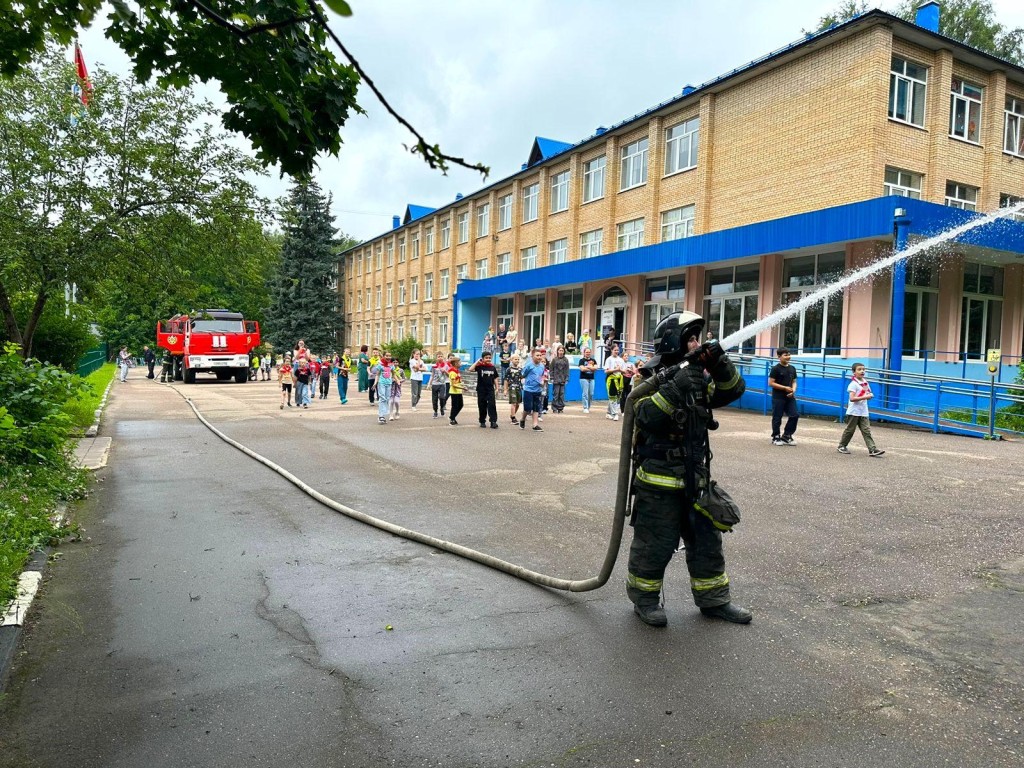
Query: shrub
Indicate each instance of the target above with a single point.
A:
(402, 349)
(59, 339)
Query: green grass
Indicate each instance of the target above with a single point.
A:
(1005, 419)
(82, 408)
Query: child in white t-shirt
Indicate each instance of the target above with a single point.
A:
(857, 416)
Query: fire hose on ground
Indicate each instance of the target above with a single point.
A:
(642, 389)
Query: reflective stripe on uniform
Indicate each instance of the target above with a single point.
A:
(661, 481)
(730, 383)
(699, 585)
(708, 515)
(659, 400)
(644, 585)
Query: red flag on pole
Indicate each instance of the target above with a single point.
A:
(83, 76)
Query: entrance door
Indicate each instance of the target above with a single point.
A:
(611, 317)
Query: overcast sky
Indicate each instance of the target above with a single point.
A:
(482, 79)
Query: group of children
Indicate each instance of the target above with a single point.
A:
(301, 371)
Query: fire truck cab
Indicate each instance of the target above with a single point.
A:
(214, 341)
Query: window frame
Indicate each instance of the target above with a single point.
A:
(689, 136)
(958, 196)
(1013, 114)
(633, 163)
(503, 263)
(559, 192)
(523, 258)
(505, 203)
(462, 222)
(893, 188)
(958, 96)
(684, 222)
(629, 235)
(594, 176)
(446, 233)
(531, 202)
(481, 268)
(414, 290)
(483, 219)
(444, 288)
(587, 245)
(428, 287)
(916, 91)
(553, 251)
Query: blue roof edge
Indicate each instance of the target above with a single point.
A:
(843, 223)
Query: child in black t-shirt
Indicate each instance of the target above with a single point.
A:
(486, 383)
(504, 360)
(782, 381)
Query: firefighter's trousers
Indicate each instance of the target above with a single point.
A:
(661, 518)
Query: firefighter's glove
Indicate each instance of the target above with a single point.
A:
(709, 354)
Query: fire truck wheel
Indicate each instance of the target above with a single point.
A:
(241, 375)
(190, 376)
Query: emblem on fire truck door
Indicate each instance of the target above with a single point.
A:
(248, 339)
(172, 339)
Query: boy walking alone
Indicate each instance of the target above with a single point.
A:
(857, 413)
(782, 380)
(486, 383)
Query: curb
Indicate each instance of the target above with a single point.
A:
(95, 426)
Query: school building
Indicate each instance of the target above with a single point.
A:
(735, 198)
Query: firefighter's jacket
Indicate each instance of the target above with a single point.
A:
(670, 447)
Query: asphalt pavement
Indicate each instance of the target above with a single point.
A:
(213, 615)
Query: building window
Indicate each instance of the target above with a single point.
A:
(378, 297)
(569, 314)
(481, 269)
(677, 223)
(1013, 133)
(461, 272)
(981, 313)
(416, 245)
(428, 287)
(376, 334)
(1009, 201)
(559, 192)
(590, 243)
(664, 295)
(428, 234)
(359, 264)
(506, 307)
(593, 179)
(531, 194)
(391, 294)
(391, 255)
(505, 212)
(483, 220)
(414, 290)
(446, 233)
(533, 320)
(387, 332)
(428, 332)
(368, 299)
(908, 86)
(558, 251)
(634, 165)
(401, 293)
(681, 146)
(414, 329)
(401, 329)
(921, 308)
(818, 327)
(965, 111)
(401, 251)
(359, 300)
(961, 196)
(903, 183)
(444, 284)
(504, 263)
(463, 227)
(630, 234)
(528, 258)
(730, 300)
(442, 330)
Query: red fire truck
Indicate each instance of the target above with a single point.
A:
(209, 340)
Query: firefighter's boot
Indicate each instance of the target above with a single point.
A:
(651, 614)
(729, 612)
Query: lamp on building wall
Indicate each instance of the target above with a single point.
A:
(494, 238)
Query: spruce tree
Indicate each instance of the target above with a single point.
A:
(305, 303)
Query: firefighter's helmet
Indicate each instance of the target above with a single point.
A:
(671, 336)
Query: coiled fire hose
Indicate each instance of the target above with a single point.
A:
(644, 388)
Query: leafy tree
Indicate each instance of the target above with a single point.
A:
(972, 22)
(288, 93)
(85, 194)
(402, 349)
(305, 301)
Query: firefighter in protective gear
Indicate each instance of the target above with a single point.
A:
(672, 462)
(167, 367)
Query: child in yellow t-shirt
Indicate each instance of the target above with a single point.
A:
(455, 391)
